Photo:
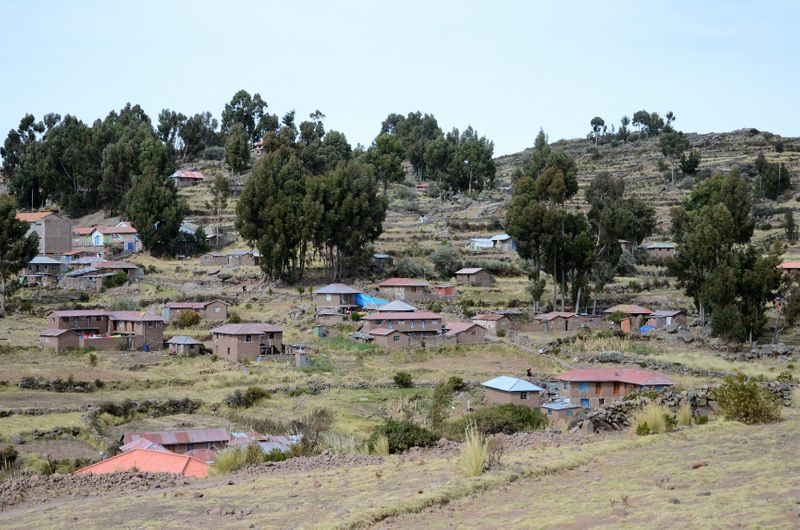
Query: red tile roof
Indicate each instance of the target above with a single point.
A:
(196, 175)
(148, 461)
(191, 436)
(82, 230)
(246, 329)
(623, 375)
(32, 217)
(402, 282)
(403, 315)
(116, 230)
(789, 265)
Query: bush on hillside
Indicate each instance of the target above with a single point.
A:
(403, 379)
(187, 319)
(402, 435)
(743, 399)
(495, 419)
(115, 280)
(248, 398)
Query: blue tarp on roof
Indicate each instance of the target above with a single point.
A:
(365, 299)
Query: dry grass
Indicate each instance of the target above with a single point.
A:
(653, 416)
(685, 415)
(474, 453)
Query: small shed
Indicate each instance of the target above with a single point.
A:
(556, 320)
(503, 243)
(504, 390)
(444, 290)
(666, 317)
(492, 322)
(561, 410)
(183, 345)
(474, 276)
(465, 332)
(389, 338)
(60, 340)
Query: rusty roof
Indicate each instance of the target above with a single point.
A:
(552, 315)
(469, 270)
(143, 443)
(137, 316)
(247, 329)
(81, 313)
(82, 230)
(402, 282)
(192, 436)
(488, 316)
(623, 375)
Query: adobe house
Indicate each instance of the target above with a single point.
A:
(59, 340)
(595, 387)
(239, 342)
(244, 257)
(336, 296)
(661, 250)
(626, 245)
(666, 317)
(130, 270)
(212, 310)
(390, 338)
(214, 258)
(561, 410)
(42, 270)
(84, 279)
(93, 321)
(632, 313)
(414, 322)
(444, 290)
(54, 231)
(328, 317)
(465, 332)
(183, 345)
(474, 276)
(143, 330)
(492, 322)
(186, 178)
(557, 321)
(123, 236)
(182, 441)
(70, 256)
(111, 330)
(503, 243)
(402, 288)
(504, 390)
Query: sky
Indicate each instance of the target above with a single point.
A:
(507, 68)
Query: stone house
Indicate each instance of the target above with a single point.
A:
(412, 322)
(183, 345)
(336, 296)
(661, 250)
(633, 314)
(493, 323)
(504, 390)
(131, 271)
(595, 387)
(239, 342)
(59, 340)
(402, 288)
(183, 178)
(54, 231)
(556, 321)
(212, 310)
(666, 317)
(561, 410)
(503, 243)
(465, 332)
(474, 276)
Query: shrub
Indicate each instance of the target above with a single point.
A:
(92, 359)
(355, 316)
(188, 319)
(446, 260)
(785, 377)
(507, 419)
(642, 429)
(654, 417)
(685, 415)
(403, 380)
(237, 458)
(215, 152)
(311, 427)
(8, 455)
(380, 446)
(124, 304)
(115, 280)
(701, 420)
(474, 453)
(234, 318)
(83, 297)
(742, 399)
(455, 383)
(402, 435)
(440, 405)
(248, 398)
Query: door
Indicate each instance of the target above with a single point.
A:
(617, 388)
(598, 389)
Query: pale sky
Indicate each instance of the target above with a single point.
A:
(507, 68)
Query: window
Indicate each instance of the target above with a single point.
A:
(98, 319)
(229, 351)
(583, 387)
(189, 447)
(216, 309)
(328, 298)
(564, 385)
(549, 412)
(248, 338)
(585, 403)
(602, 401)
(396, 338)
(523, 395)
(659, 388)
(403, 323)
(569, 413)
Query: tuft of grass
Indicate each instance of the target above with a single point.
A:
(474, 453)
(381, 445)
(654, 416)
(685, 415)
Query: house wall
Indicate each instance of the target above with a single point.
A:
(597, 394)
(662, 252)
(389, 342)
(415, 326)
(62, 343)
(56, 236)
(445, 291)
(479, 278)
(44, 268)
(209, 259)
(334, 300)
(498, 397)
(184, 349)
(403, 293)
(328, 319)
(504, 246)
(131, 342)
(215, 311)
(152, 333)
(98, 323)
(561, 414)
(235, 348)
(82, 283)
(474, 335)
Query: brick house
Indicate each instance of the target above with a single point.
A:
(633, 314)
(122, 236)
(465, 332)
(413, 322)
(130, 270)
(390, 338)
(504, 390)
(214, 258)
(141, 328)
(595, 387)
(183, 178)
(42, 270)
(661, 250)
(561, 410)
(474, 276)
(492, 322)
(557, 321)
(666, 317)
(212, 310)
(59, 340)
(239, 342)
(110, 330)
(54, 231)
(402, 288)
(444, 290)
(336, 296)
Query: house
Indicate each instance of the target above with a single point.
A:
(666, 317)
(239, 342)
(503, 243)
(557, 320)
(123, 236)
(214, 258)
(561, 410)
(632, 316)
(492, 323)
(336, 296)
(59, 340)
(84, 262)
(465, 332)
(411, 322)
(53, 230)
(661, 250)
(186, 178)
(480, 243)
(474, 276)
(149, 461)
(70, 256)
(84, 279)
(183, 345)
(504, 390)
(85, 321)
(182, 441)
(403, 288)
(422, 187)
(244, 257)
(43, 271)
(328, 317)
(211, 310)
(380, 261)
(444, 290)
(110, 330)
(390, 338)
(594, 387)
(131, 271)
(141, 329)
(790, 266)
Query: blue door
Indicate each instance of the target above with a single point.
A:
(585, 403)
(130, 247)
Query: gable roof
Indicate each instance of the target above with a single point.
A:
(659, 246)
(135, 316)
(246, 329)
(143, 443)
(511, 384)
(666, 312)
(183, 339)
(123, 229)
(402, 282)
(560, 405)
(195, 175)
(469, 270)
(403, 315)
(32, 217)
(547, 317)
(190, 436)
(80, 312)
(623, 375)
(51, 332)
(149, 461)
(489, 316)
(336, 288)
(396, 306)
(116, 265)
(454, 328)
(382, 331)
(628, 309)
(44, 260)
(194, 305)
(82, 230)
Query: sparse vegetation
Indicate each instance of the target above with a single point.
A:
(743, 399)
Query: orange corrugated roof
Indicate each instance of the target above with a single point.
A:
(149, 461)
(32, 217)
(82, 230)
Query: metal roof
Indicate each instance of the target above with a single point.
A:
(547, 317)
(382, 331)
(628, 309)
(50, 332)
(469, 270)
(143, 443)
(148, 461)
(454, 328)
(191, 436)
(81, 313)
(402, 282)
(511, 384)
(666, 312)
(195, 175)
(183, 339)
(395, 306)
(44, 260)
(82, 272)
(137, 316)
(501, 237)
(246, 329)
(560, 405)
(402, 315)
(649, 246)
(622, 375)
(194, 305)
(488, 316)
(336, 288)
(116, 265)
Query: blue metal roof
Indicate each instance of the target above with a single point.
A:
(511, 384)
(560, 405)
